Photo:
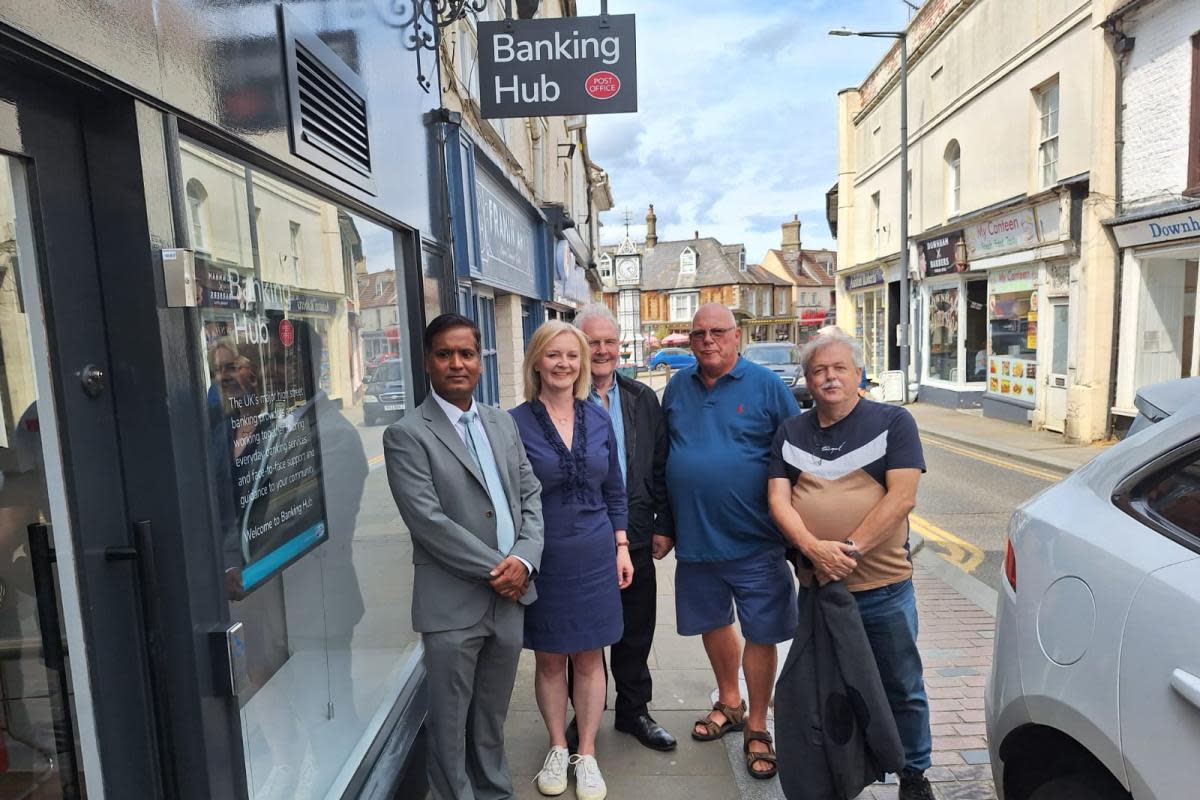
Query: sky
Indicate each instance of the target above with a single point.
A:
(737, 127)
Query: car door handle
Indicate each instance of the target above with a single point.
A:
(1187, 685)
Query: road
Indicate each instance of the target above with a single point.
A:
(964, 504)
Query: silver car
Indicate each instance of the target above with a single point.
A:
(1095, 684)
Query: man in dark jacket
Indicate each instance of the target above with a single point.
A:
(642, 450)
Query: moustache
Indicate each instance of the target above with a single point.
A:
(831, 384)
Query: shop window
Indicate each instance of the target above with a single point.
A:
(943, 334)
(1166, 321)
(1012, 322)
(316, 560)
(870, 329)
(953, 178)
(1047, 105)
(758, 333)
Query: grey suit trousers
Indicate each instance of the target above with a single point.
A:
(470, 678)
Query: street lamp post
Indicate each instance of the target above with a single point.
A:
(905, 302)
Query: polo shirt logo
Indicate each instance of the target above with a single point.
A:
(741, 408)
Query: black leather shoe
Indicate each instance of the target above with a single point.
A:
(648, 732)
(915, 786)
(572, 736)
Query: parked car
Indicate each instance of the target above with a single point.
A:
(1094, 690)
(783, 358)
(384, 397)
(673, 357)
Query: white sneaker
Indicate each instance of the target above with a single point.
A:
(589, 783)
(552, 780)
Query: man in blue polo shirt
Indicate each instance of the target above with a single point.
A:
(722, 415)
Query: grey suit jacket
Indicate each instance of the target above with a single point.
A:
(444, 502)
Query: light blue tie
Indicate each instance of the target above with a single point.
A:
(506, 535)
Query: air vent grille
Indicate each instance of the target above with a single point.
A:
(332, 117)
(327, 104)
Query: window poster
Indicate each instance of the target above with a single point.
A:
(1012, 334)
(266, 371)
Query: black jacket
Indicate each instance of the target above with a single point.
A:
(834, 730)
(646, 446)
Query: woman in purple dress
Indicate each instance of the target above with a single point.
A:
(585, 561)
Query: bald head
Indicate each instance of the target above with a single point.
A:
(715, 338)
(713, 314)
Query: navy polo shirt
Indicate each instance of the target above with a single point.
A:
(720, 454)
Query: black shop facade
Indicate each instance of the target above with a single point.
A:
(206, 586)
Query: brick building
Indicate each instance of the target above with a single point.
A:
(677, 277)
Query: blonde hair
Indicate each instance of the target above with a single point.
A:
(538, 345)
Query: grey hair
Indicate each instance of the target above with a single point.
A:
(829, 337)
(596, 311)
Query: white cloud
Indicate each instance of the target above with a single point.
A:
(738, 115)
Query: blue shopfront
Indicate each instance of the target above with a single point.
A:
(503, 251)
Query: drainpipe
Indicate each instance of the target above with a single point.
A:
(1122, 45)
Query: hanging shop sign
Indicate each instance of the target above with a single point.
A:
(940, 255)
(558, 67)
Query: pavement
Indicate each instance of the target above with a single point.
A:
(1004, 440)
(956, 644)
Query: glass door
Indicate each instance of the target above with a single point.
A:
(76, 718)
(38, 730)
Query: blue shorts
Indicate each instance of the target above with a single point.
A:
(762, 586)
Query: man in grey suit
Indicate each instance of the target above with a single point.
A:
(469, 497)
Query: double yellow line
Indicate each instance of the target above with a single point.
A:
(1015, 466)
(958, 552)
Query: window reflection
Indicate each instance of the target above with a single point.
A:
(299, 313)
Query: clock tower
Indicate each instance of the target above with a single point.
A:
(627, 270)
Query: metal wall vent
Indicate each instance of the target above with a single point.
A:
(327, 108)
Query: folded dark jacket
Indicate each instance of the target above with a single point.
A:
(834, 730)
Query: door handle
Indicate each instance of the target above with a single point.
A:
(1187, 686)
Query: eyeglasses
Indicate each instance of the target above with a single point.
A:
(716, 333)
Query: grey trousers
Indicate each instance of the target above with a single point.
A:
(470, 675)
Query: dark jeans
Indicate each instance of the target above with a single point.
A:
(630, 655)
(889, 616)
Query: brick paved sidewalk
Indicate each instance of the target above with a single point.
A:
(956, 644)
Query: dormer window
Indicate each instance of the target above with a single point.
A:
(605, 264)
(687, 261)
(742, 260)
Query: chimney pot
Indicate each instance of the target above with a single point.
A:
(651, 227)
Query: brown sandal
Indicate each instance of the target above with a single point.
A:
(752, 756)
(734, 721)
